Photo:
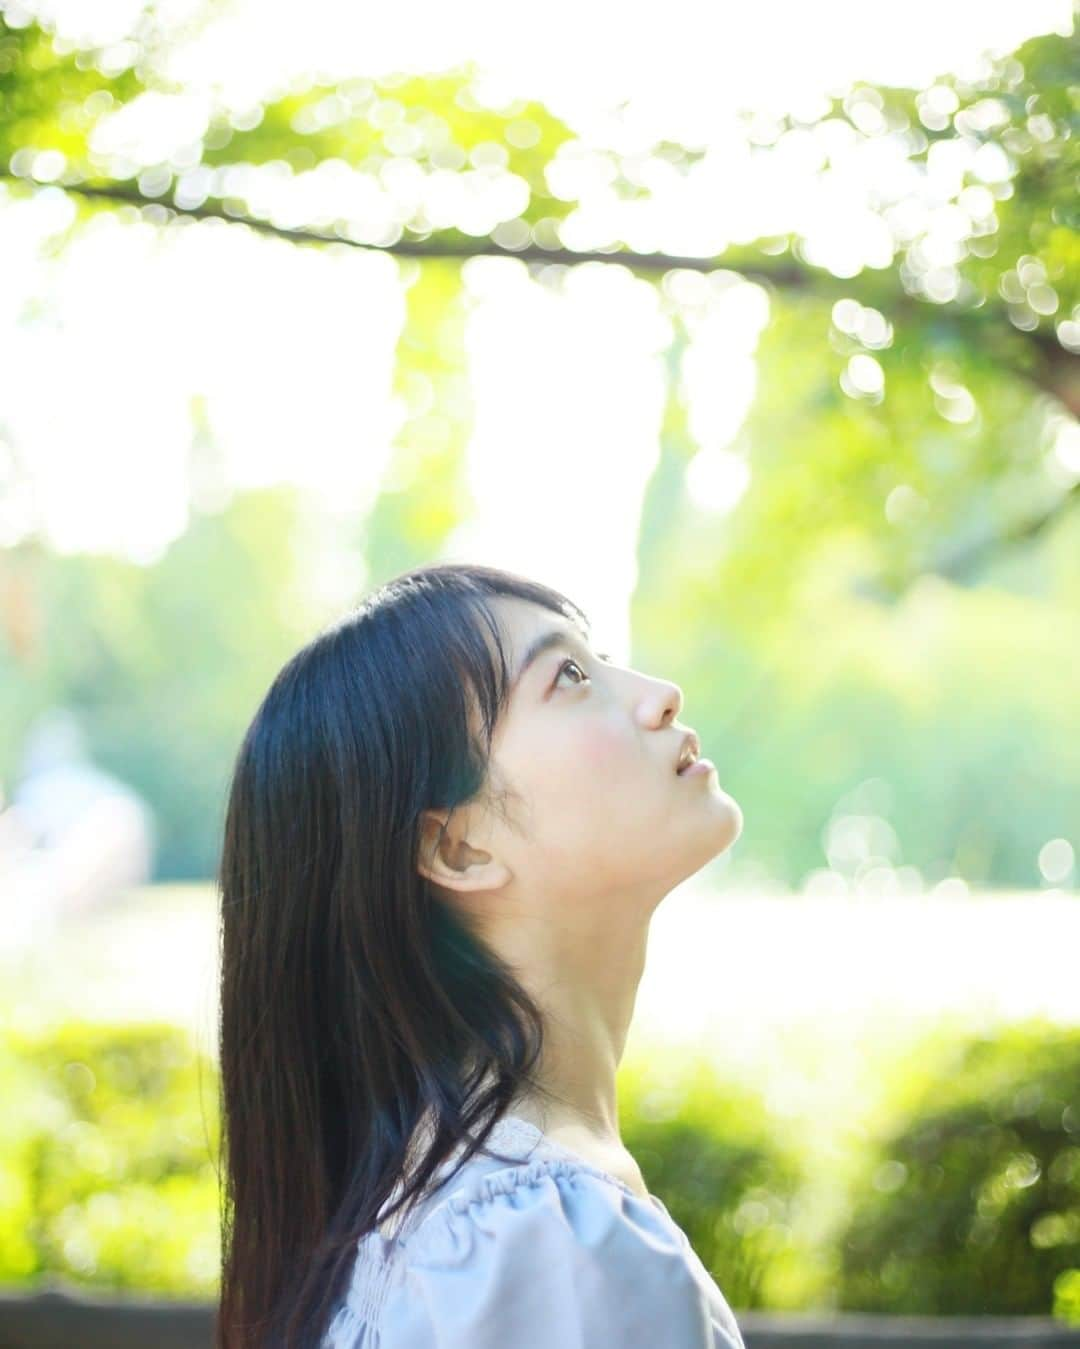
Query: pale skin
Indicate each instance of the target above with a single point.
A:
(601, 829)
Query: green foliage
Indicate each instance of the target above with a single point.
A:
(958, 707)
(1032, 109)
(108, 1160)
(423, 494)
(368, 123)
(1026, 104)
(848, 496)
(165, 663)
(1067, 1297)
(969, 1200)
(108, 1176)
(1022, 104)
(827, 464)
(965, 1200)
(708, 1148)
(51, 98)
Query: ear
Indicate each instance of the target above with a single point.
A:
(447, 858)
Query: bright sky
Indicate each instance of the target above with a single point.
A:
(292, 351)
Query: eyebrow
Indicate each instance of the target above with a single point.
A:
(546, 640)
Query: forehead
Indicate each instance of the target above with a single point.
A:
(524, 626)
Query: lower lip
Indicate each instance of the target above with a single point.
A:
(697, 768)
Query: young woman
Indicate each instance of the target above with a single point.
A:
(449, 824)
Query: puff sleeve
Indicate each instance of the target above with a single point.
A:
(547, 1258)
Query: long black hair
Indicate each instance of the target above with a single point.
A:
(353, 1003)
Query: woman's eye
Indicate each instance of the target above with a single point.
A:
(564, 665)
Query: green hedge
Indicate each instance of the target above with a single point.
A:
(966, 1200)
(969, 1202)
(107, 1177)
(711, 1152)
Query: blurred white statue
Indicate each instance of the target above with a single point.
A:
(72, 837)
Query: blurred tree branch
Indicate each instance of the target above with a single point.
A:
(1054, 370)
(836, 461)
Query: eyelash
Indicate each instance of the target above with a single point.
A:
(600, 655)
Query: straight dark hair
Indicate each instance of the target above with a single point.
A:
(354, 1003)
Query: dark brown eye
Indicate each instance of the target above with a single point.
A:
(576, 666)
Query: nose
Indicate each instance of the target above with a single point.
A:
(667, 698)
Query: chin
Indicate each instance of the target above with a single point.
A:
(727, 826)
(737, 815)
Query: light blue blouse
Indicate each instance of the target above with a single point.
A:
(550, 1253)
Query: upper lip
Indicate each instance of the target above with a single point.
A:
(690, 741)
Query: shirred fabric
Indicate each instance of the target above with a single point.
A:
(548, 1254)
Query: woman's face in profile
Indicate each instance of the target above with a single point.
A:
(589, 750)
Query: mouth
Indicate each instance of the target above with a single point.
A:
(689, 754)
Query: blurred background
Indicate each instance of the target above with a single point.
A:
(756, 333)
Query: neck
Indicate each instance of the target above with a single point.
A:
(585, 987)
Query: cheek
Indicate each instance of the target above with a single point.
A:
(604, 753)
(577, 769)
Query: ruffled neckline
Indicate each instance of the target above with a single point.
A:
(514, 1123)
(511, 1128)
(371, 1273)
